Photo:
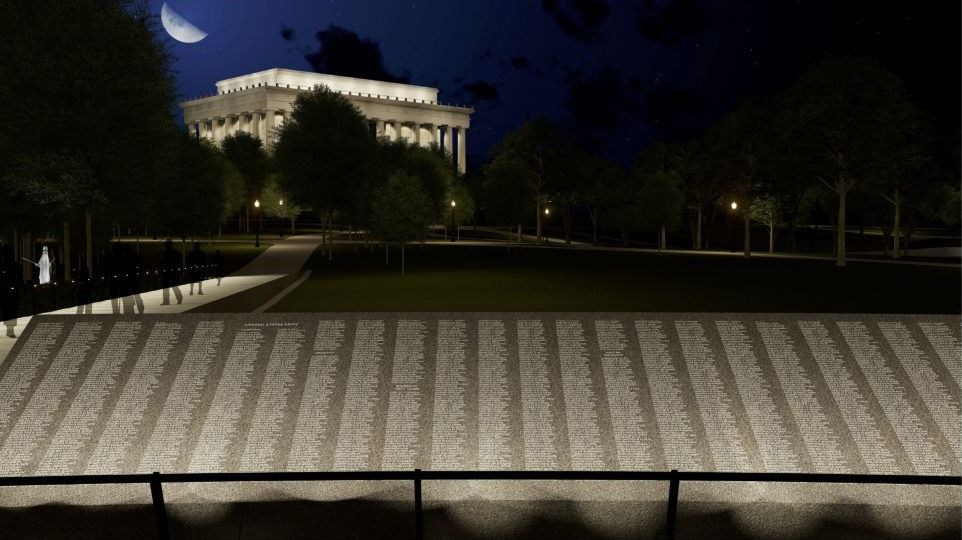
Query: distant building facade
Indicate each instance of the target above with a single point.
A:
(260, 102)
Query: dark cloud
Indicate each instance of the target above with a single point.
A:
(342, 52)
(579, 19)
(670, 23)
(602, 104)
(520, 62)
(481, 91)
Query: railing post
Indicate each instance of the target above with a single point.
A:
(160, 510)
(672, 505)
(418, 511)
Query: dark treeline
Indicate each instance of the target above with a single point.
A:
(845, 143)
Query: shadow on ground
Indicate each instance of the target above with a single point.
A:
(475, 519)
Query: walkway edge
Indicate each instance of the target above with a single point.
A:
(280, 296)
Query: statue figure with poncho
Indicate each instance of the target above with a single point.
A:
(43, 265)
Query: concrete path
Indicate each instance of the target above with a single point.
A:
(284, 257)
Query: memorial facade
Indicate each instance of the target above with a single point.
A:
(260, 102)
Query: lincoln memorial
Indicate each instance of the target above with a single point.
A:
(260, 102)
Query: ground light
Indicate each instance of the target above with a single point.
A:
(453, 204)
(257, 233)
(280, 202)
(731, 231)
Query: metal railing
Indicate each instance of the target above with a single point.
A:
(673, 477)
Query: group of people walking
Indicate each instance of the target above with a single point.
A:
(125, 278)
(196, 270)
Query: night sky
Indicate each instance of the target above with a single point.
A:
(619, 74)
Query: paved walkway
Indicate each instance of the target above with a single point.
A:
(284, 257)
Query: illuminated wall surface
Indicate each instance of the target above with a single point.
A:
(744, 392)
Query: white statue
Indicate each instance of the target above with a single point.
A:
(44, 265)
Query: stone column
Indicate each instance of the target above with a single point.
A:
(268, 128)
(462, 149)
(379, 128)
(399, 128)
(447, 133)
(428, 137)
(416, 128)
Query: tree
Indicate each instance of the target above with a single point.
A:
(910, 167)
(249, 156)
(765, 210)
(602, 192)
(401, 211)
(537, 150)
(465, 206)
(56, 186)
(323, 153)
(279, 204)
(507, 199)
(849, 112)
(741, 138)
(701, 184)
(661, 203)
(96, 80)
(191, 202)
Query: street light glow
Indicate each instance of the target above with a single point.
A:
(280, 202)
(546, 211)
(734, 205)
(257, 204)
(453, 204)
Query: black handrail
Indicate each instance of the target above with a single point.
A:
(673, 477)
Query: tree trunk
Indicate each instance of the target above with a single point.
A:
(594, 227)
(247, 219)
(791, 234)
(886, 232)
(747, 248)
(771, 238)
(28, 251)
(385, 254)
(537, 212)
(330, 237)
(840, 252)
(519, 232)
(661, 238)
(897, 225)
(402, 257)
(292, 225)
(698, 227)
(88, 232)
(66, 251)
(509, 239)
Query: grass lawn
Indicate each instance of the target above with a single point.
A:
(448, 278)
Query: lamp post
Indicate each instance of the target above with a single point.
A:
(280, 202)
(731, 234)
(453, 204)
(544, 235)
(257, 233)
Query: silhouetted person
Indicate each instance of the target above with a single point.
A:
(197, 268)
(9, 289)
(170, 273)
(83, 289)
(116, 276)
(217, 266)
(134, 271)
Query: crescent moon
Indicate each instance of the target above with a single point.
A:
(178, 27)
